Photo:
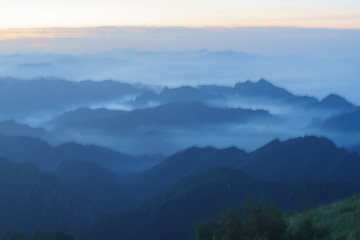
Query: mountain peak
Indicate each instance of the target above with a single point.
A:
(295, 144)
(261, 88)
(306, 139)
(333, 97)
(264, 82)
(336, 101)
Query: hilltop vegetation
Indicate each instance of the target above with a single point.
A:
(172, 213)
(340, 220)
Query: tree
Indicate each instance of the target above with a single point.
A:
(260, 222)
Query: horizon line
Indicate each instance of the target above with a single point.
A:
(177, 26)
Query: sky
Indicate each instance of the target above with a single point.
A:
(186, 13)
(277, 27)
(319, 38)
(330, 43)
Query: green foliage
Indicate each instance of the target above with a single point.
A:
(337, 221)
(229, 226)
(341, 220)
(262, 222)
(305, 229)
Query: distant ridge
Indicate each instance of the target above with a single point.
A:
(172, 114)
(261, 88)
(335, 101)
(349, 122)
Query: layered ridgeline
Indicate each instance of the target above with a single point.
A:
(180, 191)
(170, 115)
(304, 158)
(302, 165)
(248, 93)
(97, 189)
(163, 129)
(141, 120)
(48, 158)
(27, 99)
(252, 92)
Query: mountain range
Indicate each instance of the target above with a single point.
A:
(136, 120)
(110, 160)
(298, 159)
(172, 114)
(166, 200)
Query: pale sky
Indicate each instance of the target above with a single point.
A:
(189, 13)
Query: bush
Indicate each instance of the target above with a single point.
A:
(260, 222)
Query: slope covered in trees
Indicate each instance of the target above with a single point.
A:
(173, 213)
(340, 220)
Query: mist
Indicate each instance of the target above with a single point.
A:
(305, 61)
(141, 119)
(314, 76)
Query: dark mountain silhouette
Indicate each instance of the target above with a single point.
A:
(32, 200)
(261, 88)
(330, 105)
(179, 95)
(261, 94)
(307, 158)
(303, 158)
(197, 186)
(28, 150)
(348, 122)
(100, 186)
(173, 213)
(184, 164)
(173, 114)
(46, 157)
(210, 93)
(334, 101)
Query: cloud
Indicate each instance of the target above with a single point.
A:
(43, 33)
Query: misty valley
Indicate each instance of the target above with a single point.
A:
(109, 160)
